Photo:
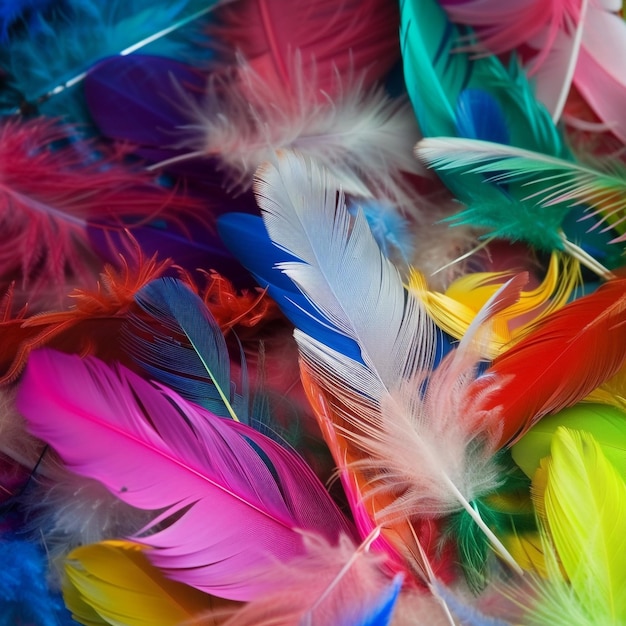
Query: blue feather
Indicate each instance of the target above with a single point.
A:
(27, 13)
(25, 598)
(66, 45)
(187, 350)
(247, 238)
(382, 611)
(479, 116)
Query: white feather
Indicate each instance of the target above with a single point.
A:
(364, 138)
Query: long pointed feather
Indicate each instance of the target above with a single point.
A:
(546, 181)
(158, 452)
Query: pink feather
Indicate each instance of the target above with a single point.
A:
(226, 517)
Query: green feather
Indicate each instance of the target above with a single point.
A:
(436, 74)
(505, 511)
(606, 423)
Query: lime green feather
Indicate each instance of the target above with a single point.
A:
(606, 423)
(583, 501)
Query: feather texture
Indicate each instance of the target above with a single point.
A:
(547, 183)
(321, 588)
(112, 425)
(113, 582)
(185, 349)
(353, 38)
(50, 195)
(46, 67)
(586, 526)
(550, 368)
(606, 423)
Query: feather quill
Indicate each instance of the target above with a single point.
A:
(342, 585)
(182, 346)
(44, 68)
(111, 425)
(550, 184)
(377, 396)
(550, 368)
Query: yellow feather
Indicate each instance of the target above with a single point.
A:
(612, 392)
(113, 582)
(454, 310)
(582, 500)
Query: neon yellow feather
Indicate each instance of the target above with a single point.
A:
(454, 310)
(113, 582)
(583, 505)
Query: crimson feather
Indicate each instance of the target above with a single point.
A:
(564, 358)
(353, 36)
(52, 190)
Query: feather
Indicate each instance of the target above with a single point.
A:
(45, 68)
(536, 217)
(607, 425)
(182, 346)
(586, 526)
(19, 12)
(91, 326)
(376, 395)
(612, 391)
(114, 582)
(111, 425)
(342, 585)
(437, 74)
(361, 135)
(49, 197)
(454, 310)
(24, 594)
(551, 184)
(550, 368)
(353, 38)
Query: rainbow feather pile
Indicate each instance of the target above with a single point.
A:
(313, 313)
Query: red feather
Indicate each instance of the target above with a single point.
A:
(563, 359)
(51, 190)
(342, 39)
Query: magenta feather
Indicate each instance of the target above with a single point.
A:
(232, 502)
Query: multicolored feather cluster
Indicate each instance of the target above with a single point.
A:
(312, 313)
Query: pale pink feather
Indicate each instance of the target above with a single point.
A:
(226, 517)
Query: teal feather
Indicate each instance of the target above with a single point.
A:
(437, 74)
(46, 64)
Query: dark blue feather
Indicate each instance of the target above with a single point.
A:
(186, 349)
(479, 116)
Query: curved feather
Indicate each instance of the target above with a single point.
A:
(113, 582)
(437, 73)
(213, 479)
(570, 352)
(185, 349)
(586, 524)
(545, 182)
(454, 310)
